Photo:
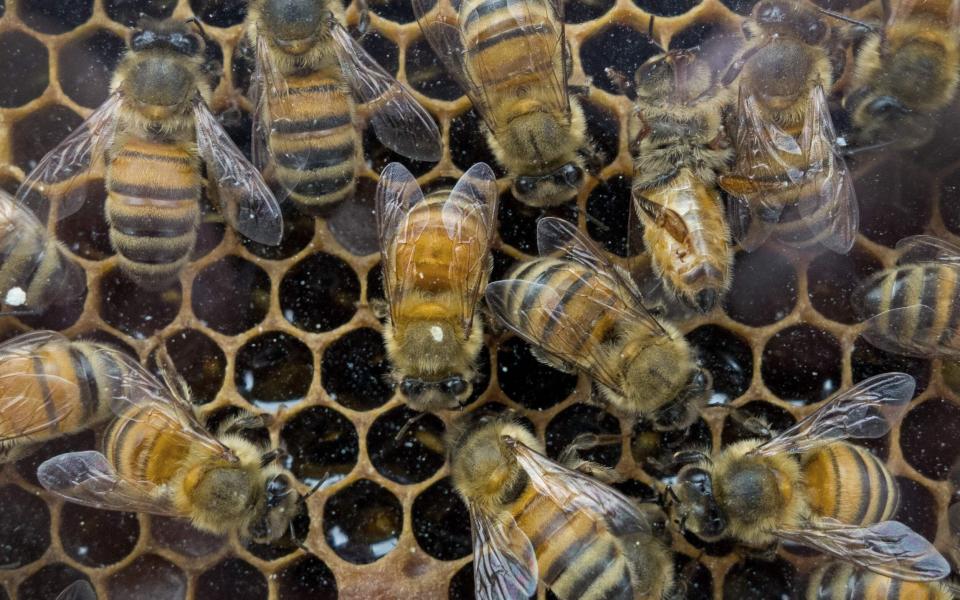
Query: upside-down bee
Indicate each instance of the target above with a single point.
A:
(151, 136)
(309, 73)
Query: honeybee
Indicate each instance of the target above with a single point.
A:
(789, 174)
(512, 61)
(51, 386)
(808, 486)
(157, 458)
(535, 519)
(307, 65)
(582, 313)
(78, 590)
(151, 136)
(841, 581)
(679, 146)
(436, 260)
(35, 271)
(912, 308)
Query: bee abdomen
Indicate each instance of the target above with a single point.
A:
(841, 581)
(34, 264)
(849, 484)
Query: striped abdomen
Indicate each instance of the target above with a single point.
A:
(842, 581)
(153, 209)
(33, 262)
(313, 143)
(144, 443)
(849, 484)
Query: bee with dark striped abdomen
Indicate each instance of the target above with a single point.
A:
(807, 485)
(914, 307)
(534, 519)
(151, 136)
(436, 262)
(842, 581)
(582, 313)
(157, 458)
(511, 60)
(309, 74)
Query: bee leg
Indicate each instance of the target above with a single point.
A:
(755, 425)
(363, 23)
(570, 457)
(623, 83)
(241, 423)
(551, 361)
(380, 308)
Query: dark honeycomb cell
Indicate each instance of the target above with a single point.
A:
(353, 222)
(86, 66)
(764, 290)
(86, 232)
(918, 508)
(711, 42)
(220, 13)
(200, 361)
(582, 11)
(26, 57)
(319, 293)
(362, 522)
(741, 7)
(272, 368)
(609, 215)
(774, 417)
(307, 579)
(394, 10)
(415, 456)
(213, 56)
(231, 295)
(832, 277)
(375, 284)
(298, 231)
(378, 156)
(667, 8)
(211, 231)
(355, 368)
(802, 364)
(61, 16)
(232, 579)
(950, 202)
(129, 12)
(754, 579)
(81, 534)
(583, 418)
(183, 538)
(693, 578)
(618, 47)
(323, 445)
(928, 437)
(728, 358)
(441, 522)
(653, 450)
(518, 221)
(48, 582)
(39, 132)
(75, 442)
(137, 314)
(527, 380)
(149, 576)
(604, 129)
(867, 361)
(894, 202)
(502, 263)
(24, 527)
(427, 75)
(468, 145)
(461, 584)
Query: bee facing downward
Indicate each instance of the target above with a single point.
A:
(151, 136)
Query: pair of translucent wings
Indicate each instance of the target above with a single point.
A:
(594, 277)
(504, 560)
(472, 200)
(246, 202)
(539, 39)
(78, 590)
(88, 477)
(888, 330)
(771, 160)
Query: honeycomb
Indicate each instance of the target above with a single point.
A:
(288, 331)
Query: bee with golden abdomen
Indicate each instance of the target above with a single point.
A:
(157, 458)
(914, 308)
(534, 519)
(78, 590)
(789, 174)
(151, 136)
(511, 60)
(582, 313)
(309, 74)
(436, 262)
(842, 581)
(807, 485)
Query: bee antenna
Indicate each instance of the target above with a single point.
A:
(199, 24)
(650, 36)
(851, 20)
(293, 537)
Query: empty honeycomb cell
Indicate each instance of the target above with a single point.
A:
(427, 75)
(354, 370)
(380, 47)
(950, 202)
(232, 579)
(868, 360)
(393, 10)
(711, 42)
(298, 230)
(693, 579)
(200, 361)
(220, 13)
(501, 265)
(775, 418)
(183, 538)
(375, 284)
(412, 457)
(353, 222)
(802, 364)
(608, 215)
(755, 579)
(378, 156)
(213, 56)
(24, 527)
(832, 277)
(527, 380)
(518, 221)
(584, 418)
(741, 7)
(319, 293)
(918, 508)
(129, 12)
(653, 450)
(231, 295)
(441, 522)
(667, 8)
(26, 57)
(728, 358)
(86, 232)
(39, 132)
(307, 579)
(603, 128)
(74, 442)
(582, 11)
(61, 16)
(928, 437)
(48, 582)
(81, 534)
(137, 315)
(468, 145)
(323, 445)
(764, 288)
(87, 64)
(273, 368)
(362, 522)
(149, 576)
(894, 201)
(618, 47)
(461, 584)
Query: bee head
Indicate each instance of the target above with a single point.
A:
(699, 509)
(170, 35)
(482, 463)
(550, 189)
(280, 506)
(783, 16)
(293, 24)
(165, 68)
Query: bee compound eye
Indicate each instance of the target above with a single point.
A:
(455, 386)
(524, 185)
(411, 387)
(572, 175)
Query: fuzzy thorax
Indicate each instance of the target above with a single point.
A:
(312, 52)
(432, 348)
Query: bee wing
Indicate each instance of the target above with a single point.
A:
(864, 411)
(78, 590)
(88, 478)
(889, 548)
(75, 154)
(504, 562)
(398, 119)
(664, 217)
(266, 79)
(927, 248)
(244, 198)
